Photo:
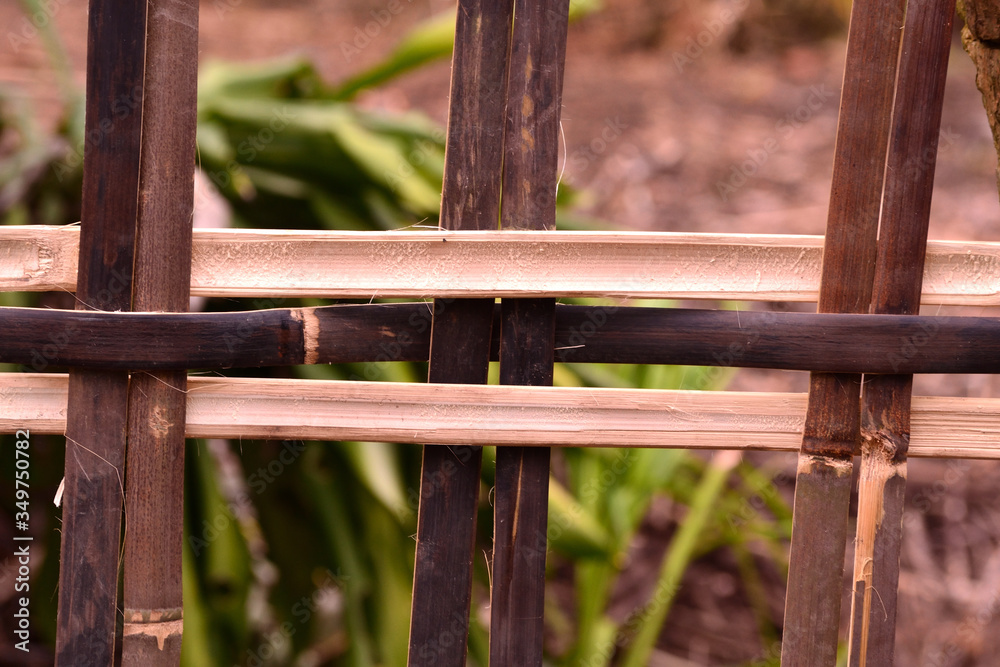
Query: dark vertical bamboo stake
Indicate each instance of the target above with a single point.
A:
(527, 330)
(156, 414)
(899, 272)
(832, 428)
(460, 337)
(95, 429)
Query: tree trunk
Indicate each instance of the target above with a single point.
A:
(981, 38)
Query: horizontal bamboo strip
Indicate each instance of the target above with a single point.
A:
(276, 263)
(40, 338)
(943, 427)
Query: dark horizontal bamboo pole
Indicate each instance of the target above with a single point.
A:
(826, 342)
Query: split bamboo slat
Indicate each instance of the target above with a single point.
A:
(902, 244)
(464, 264)
(527, 329)
(456, 414)
(97, 399)
(831, 434)
(461, 336)
(154, 480)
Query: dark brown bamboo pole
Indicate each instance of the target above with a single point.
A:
(826, 342)
(460, 337)
(154, 490)
(95, 429)
(527, 330)
(832, 429)
(902, 244)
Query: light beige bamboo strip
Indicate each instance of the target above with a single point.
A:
(415, 264)
(507, 415)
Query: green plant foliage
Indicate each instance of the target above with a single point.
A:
(284, 155)
(431, 40)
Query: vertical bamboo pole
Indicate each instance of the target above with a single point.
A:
(902, 247)
(154, 495)
(832, 429)
(527, 329)
(460, 337)
(95, 428)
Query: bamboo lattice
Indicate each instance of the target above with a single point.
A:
(496, 241)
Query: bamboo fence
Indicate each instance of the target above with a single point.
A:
(134, 251)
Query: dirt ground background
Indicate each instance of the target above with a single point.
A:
(653, 124)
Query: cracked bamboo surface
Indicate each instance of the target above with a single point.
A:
(752, 267)
(942, 427)
(831, 432)
(886, 399)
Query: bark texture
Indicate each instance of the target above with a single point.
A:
(981, 38)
